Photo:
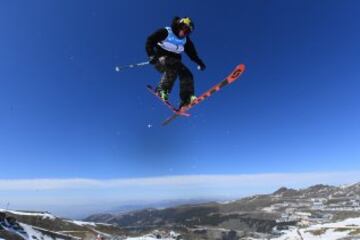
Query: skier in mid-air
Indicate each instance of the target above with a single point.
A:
(164, 48)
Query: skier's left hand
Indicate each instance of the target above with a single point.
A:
(201, 66)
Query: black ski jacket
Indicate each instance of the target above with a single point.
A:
(153, 49)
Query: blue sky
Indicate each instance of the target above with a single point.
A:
(65, 113)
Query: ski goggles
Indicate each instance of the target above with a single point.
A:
(186, 30)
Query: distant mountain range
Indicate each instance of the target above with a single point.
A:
(158, 205)
(322, 211)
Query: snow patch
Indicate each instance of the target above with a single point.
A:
(43, 215)
(269, 209)
(82, 223)
(153, 236)
(328, 231)
(226, 202)
(32, 233)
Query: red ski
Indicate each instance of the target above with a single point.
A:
(234, 75)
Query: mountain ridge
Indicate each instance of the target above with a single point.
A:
(284, 214)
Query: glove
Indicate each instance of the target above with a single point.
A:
(153, 59)
(201, 66)
(162, 60)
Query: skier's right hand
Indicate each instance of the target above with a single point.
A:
(153, 59)
(162, 60)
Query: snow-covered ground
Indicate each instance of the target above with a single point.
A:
(328, 231)
(171, 236)
(43, 215)
(34, 234)
(226, 202)
(148, 238)
(82, 223)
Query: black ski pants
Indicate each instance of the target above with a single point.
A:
(171, 68)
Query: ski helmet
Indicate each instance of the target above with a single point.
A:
(187, 23)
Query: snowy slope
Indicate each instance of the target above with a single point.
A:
(329, 231)
(156, 235)
(45, 226)
(34, 214)
(148, 238)
(82, 223)
(34, 234)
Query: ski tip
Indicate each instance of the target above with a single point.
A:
(241, 67)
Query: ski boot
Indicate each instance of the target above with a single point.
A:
(163, 94)
(188, 102)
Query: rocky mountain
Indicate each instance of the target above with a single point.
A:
(157, 204)
(317, 212)
(19, 225)
(255, 217)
